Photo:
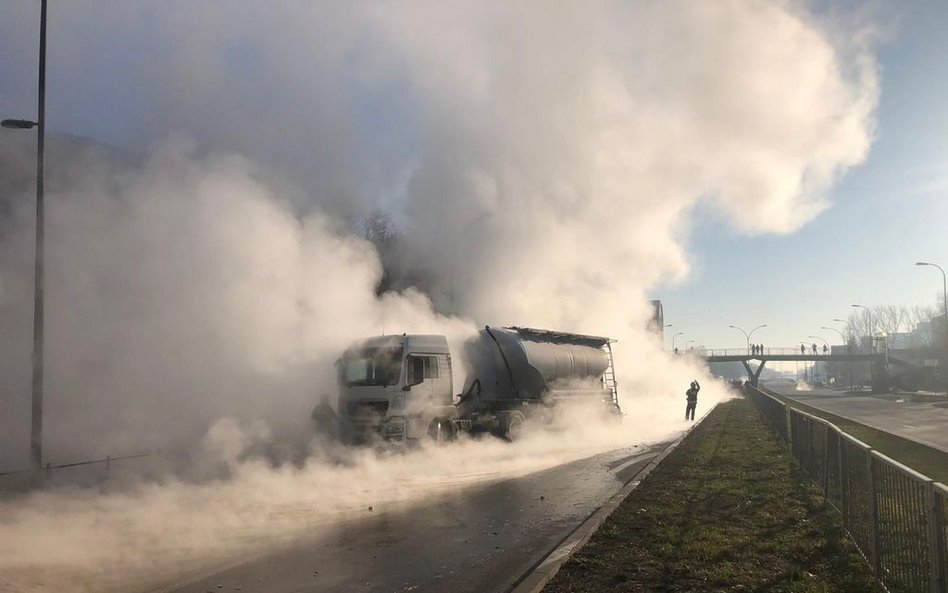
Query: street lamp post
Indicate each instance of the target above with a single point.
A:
(944, 293)
(673, 339)
(36, 422)
(843, 338)
(816, 363)
(872, 370)
(747, 335)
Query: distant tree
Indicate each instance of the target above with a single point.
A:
(379, 229)
(891, 319)
(857, 324)
(920, 314)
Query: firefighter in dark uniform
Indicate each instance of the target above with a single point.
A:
(692, 397)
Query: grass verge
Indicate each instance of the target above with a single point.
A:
(728, 510)
(926, 460)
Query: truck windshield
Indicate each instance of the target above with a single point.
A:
(373, 366)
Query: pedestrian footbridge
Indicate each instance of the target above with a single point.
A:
(748, 357)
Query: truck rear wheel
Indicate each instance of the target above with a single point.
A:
(441, 431)
(513, 425)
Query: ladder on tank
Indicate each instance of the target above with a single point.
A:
(609, 378)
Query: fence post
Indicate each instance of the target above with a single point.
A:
(826, 461)
(843, 481)
(874, 517)
(811, 448)
(785, 418)
(936, 540)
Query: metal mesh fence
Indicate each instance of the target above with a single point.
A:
(939, 531)
(855, 500)
(897, 517)
(902, 496)
(774, 412)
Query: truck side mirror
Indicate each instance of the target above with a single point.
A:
(416, 370)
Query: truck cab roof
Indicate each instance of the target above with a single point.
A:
(410, 342)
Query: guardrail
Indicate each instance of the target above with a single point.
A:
(25, 480)
(897, 517)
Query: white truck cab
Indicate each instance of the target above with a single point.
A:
(395, 387)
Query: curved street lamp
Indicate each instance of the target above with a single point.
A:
(846, 342)
(675, 336)
(944, 289)
(869, 317)
(841, 336)
(872, 367)
(747, 335)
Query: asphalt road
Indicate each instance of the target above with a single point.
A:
(479, 539)
(914, 416)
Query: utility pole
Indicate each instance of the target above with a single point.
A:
(36, 420)
(944, 293)
(872, 369)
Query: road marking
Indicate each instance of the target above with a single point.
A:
(632, 461)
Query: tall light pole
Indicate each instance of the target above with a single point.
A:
(816, 363)
(833, 329)
(36, 423)
(849, 329)
(843, 338)
(747, 335)
(675, 336)
(849, 349)
(872, 370)
(944, 292)
(752, 333)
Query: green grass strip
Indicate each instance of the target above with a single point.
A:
(728, 510)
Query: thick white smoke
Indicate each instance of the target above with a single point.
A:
(541, 163)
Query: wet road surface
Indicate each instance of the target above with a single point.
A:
(916, 417)
(479, 539)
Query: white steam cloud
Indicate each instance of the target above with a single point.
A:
(541, 164)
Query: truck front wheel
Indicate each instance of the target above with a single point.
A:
(441, 431)
(513, 426)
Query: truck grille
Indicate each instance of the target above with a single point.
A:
(367, 409)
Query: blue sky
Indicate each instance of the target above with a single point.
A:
(888, 213)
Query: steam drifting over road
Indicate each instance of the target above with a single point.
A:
(541, 166)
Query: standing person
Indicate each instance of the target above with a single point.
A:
(814, 347)
(802, 349)
(692, 396)
(824, 349)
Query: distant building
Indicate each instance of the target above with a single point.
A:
(657, 323)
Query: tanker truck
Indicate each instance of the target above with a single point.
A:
(400, 387)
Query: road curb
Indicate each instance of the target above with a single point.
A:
(541, 574)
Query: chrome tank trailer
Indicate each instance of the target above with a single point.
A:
(528, 364)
